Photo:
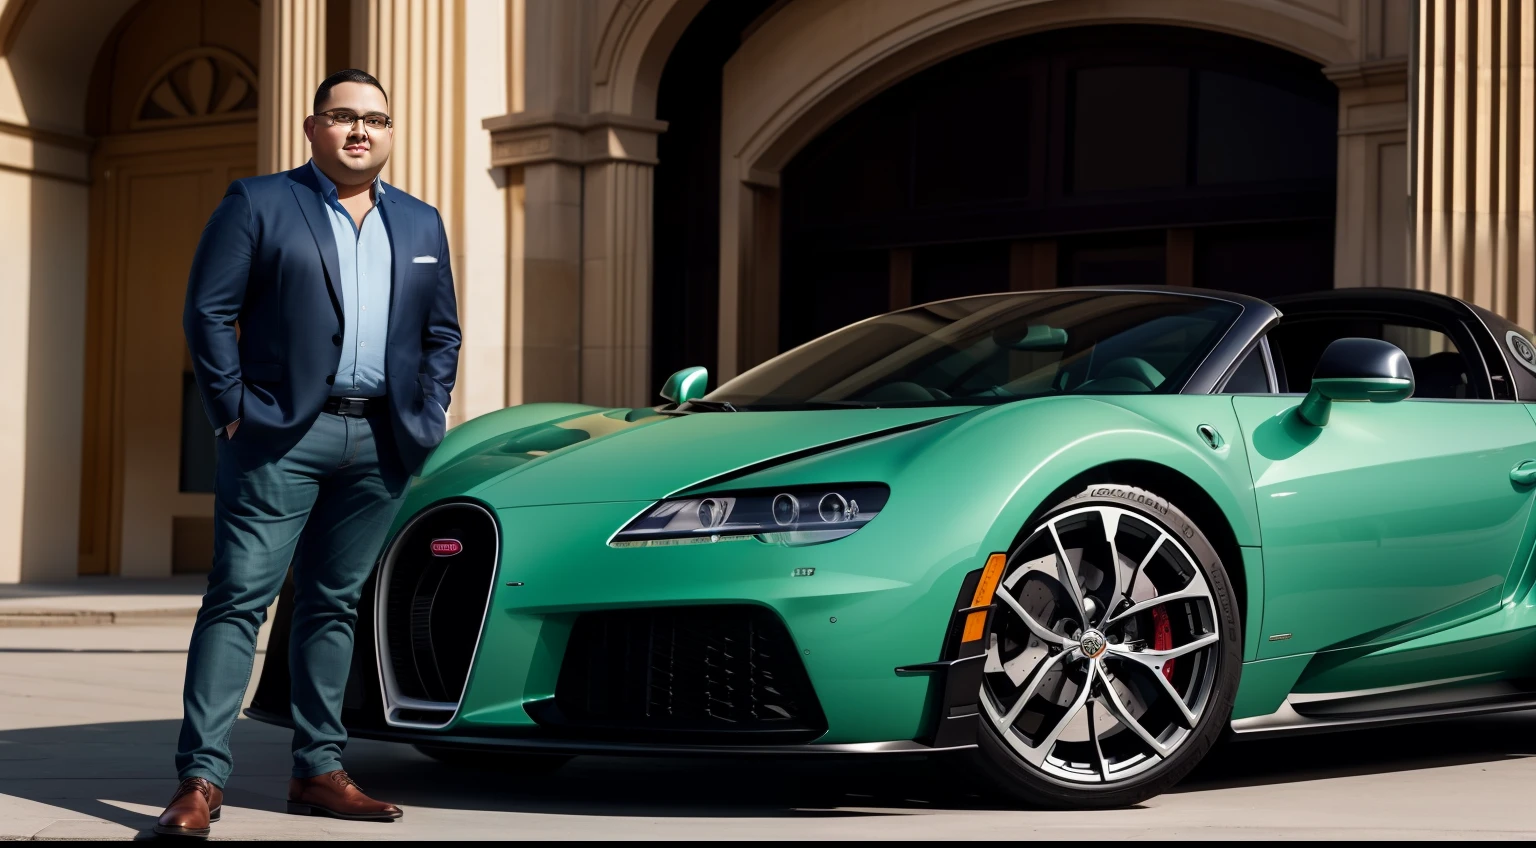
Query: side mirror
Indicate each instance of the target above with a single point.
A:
(686, 385)
(1353, 370)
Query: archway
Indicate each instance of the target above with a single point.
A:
(807, 65)
(1093, 155)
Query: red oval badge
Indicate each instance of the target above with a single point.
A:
(446, 547)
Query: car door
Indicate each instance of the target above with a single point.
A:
(1395, 518)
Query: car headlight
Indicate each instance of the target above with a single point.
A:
(798, 516)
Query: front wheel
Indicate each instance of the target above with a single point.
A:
(1114, 654)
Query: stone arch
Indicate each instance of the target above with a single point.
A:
(632, 48)
(809, 64)
(780, 97)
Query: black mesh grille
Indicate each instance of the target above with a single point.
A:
(685, 672)
(435, 604)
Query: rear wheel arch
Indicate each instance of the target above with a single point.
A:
(1185, 493)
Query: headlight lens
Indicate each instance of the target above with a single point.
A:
(799, 516)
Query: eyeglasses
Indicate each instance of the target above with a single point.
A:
(374, 121)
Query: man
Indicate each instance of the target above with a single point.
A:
(326, 398)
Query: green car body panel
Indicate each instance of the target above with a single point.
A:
(892, 593)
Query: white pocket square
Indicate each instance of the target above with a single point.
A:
(423, 260)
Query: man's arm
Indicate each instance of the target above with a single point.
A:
(221, 271)
(440, 335)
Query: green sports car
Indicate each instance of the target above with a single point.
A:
(1077, 536)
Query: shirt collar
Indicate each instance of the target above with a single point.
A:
(328, 188)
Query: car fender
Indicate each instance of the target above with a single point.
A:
(1071, 436)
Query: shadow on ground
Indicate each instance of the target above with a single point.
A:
(83, 767)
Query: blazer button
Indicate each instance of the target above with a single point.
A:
(330, 379)
(336, 339)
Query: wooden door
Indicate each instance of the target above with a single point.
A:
(146, 499)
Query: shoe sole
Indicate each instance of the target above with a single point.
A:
(193, 832)
(297, 809)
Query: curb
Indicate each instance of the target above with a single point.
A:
(86, 618)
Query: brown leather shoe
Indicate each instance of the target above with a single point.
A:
(195, 804)
(337, 795)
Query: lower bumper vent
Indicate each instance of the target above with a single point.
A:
(682, 674)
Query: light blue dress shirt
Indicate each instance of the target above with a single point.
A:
(367, 261)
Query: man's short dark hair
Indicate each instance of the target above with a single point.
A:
(323, 93)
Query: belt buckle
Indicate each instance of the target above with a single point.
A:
(355, 407)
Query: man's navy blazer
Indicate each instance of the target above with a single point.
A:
(268, 260)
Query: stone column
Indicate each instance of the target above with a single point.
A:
(292, 64)
(616, 262)
(1475, 163)
(581, 254)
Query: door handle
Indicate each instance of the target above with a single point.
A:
(1524, 474)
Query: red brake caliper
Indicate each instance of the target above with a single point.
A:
(1162, 637)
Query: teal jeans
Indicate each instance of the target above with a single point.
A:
(324, 507)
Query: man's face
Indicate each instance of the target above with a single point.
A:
(355, 149)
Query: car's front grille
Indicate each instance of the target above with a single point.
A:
(436, 580)
(684, 673)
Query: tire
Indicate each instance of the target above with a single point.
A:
(506, 762)
(1048, 740)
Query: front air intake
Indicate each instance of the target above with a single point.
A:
(434, 590)
(683, 674)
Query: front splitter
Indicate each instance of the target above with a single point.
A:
(579, 747)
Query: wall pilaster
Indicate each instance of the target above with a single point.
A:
(616, 284)
(1475, 168)
(292, 64)
(1371, 239)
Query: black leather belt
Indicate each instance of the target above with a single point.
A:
(354, 407)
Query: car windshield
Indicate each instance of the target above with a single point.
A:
(992, 349)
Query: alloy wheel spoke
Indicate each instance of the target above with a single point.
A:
(1196, 588)
(1111, 521)
(1045, 633)
(1069, 577)
(1152, 663)
(1093, 733)
(1035, 678)
(1162, 656)
(1141, 566)
(1111, 702)
(1039, 753)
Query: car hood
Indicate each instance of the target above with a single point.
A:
(638, 455)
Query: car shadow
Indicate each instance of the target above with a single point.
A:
(104, 770)
(1266, 762)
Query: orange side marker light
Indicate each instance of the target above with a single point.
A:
(975, 622)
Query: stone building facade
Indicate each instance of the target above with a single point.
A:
(631, 186)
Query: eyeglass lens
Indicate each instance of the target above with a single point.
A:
(349, 119)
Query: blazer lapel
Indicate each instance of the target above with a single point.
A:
(313, 207)
(400, 261)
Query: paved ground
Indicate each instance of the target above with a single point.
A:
(101, 600)
(88, 719)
